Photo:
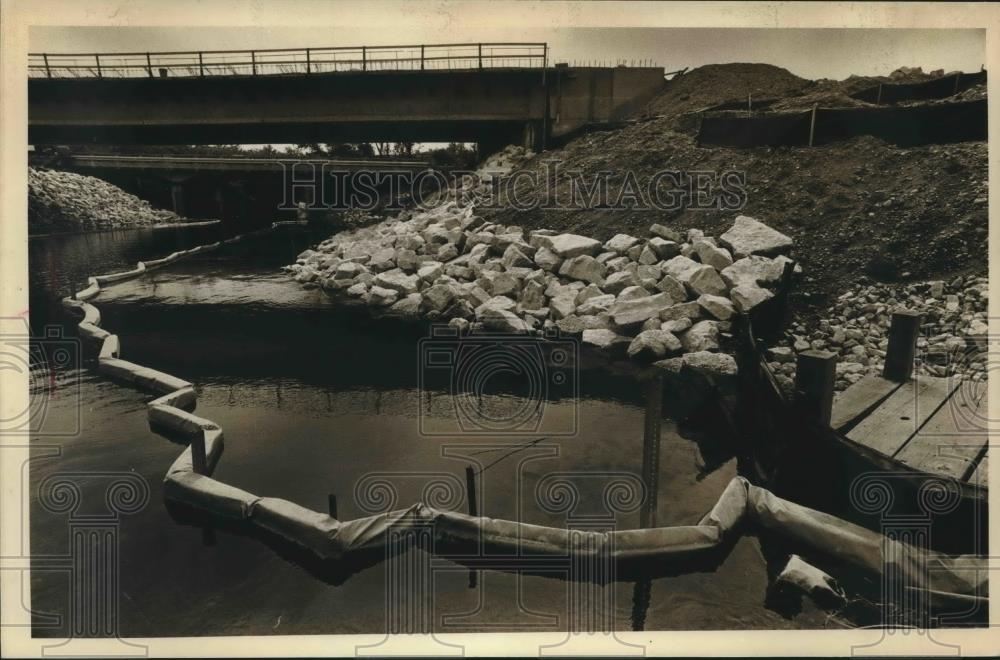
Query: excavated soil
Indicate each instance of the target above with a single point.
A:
(856, 209)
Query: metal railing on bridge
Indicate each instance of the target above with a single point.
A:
(287, 61)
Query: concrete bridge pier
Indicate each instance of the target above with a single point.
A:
(177, 197)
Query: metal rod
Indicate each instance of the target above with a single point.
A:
(253, 62)
(97, 58)
(812, 125)
(421, 58)
(308, 62)
(201, 66)
(470, 490)
(149, 65)
(364, 58)
(480, 56)
(48, 73)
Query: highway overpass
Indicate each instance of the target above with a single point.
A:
(493, 94)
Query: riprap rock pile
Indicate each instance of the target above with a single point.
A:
(655, 297)
(952, 341)
(64, 201)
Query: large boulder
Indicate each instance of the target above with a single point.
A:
(652, 345)
(751, 236)
(398, 281)
(713, 255)
(348, 270)
(620, 243)
(711, 364)
(496, 302)
(746, 297)
(585, 268)
(616, 282)
(408, 306)
(498, 283)
(532, 296)
(754, 271)
(666, 233)
(567, 246)
(717, 306)
(669, 284)
(382, 297)
(607, 340)
(514, 257)
(630, 312)
(698, 278)
(596, 304)
(439, 296)
(664, 249)
(703, 336)
(548, 260)
(501, 320)
(685, 310)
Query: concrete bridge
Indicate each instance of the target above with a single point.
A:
(493, 94)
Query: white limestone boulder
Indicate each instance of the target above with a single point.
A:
(750, 236)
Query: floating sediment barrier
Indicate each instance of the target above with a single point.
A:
(742, 507)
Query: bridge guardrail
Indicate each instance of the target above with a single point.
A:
(285, 61)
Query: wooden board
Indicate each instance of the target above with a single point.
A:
(889, 426)
(858, 400)
(979, 476)
(951, 441)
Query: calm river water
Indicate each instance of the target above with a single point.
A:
(317, 400)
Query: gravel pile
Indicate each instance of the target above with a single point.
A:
(64, 201)
(952, 341)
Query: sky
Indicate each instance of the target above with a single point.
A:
(810, 53)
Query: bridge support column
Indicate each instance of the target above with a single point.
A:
(177, 198)
(531, 136)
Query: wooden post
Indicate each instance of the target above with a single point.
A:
(815, 373)
(97, 58)
(480, 56)
(308, 62)
(149, 65)
(902, 345)
(470, 490)
(198, 460)
(421, 58)
(331, 503)
(48, 73)
(253, 62)
(201, 65)
(364, 58)
(812, 125)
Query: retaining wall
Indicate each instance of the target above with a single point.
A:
(741, 507)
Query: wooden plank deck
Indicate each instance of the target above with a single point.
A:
(952, 440)
(859, 400)
(887, 428)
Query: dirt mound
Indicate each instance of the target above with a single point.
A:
(854, 208)
(720, 83)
